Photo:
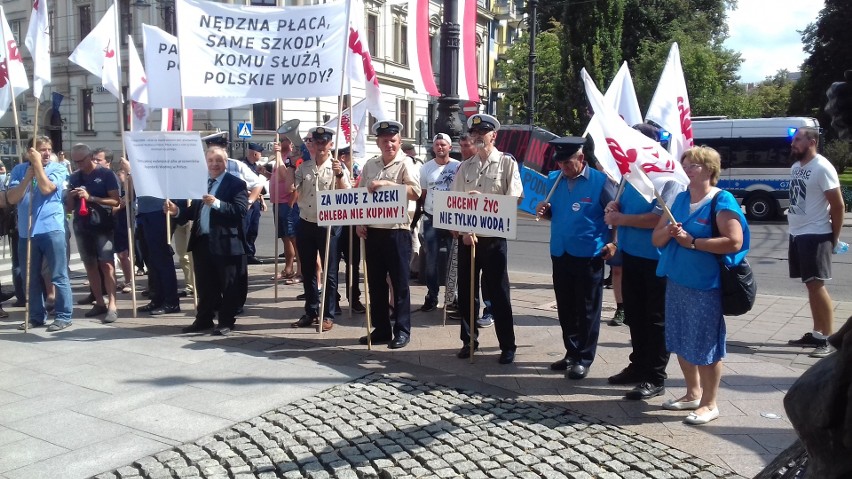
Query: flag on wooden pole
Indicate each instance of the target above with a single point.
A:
(13, 77)
(38, 43)
(98, 53)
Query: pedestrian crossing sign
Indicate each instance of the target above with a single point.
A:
(244, 130)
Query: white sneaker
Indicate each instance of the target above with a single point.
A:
(486, 321)
(822, 351)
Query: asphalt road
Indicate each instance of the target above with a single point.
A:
(529, 254)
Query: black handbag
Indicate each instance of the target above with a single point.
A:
(739, 289)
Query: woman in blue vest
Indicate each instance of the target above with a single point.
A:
(695, 327)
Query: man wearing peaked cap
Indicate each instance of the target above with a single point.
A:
(320, 173)
(387, 127)
(489, 171)
(251, 223)
(579, 244)
(484, 122)
(388, 247)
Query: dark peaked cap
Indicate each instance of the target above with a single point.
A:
(566, 147)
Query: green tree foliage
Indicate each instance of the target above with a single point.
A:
(591, 39)
(512, 72)
(839, 153)
(827, 42)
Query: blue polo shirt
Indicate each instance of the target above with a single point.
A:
(577, 207)
(48, 210)
(700, 269)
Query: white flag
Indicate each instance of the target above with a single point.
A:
(13, 77)
(137, 89)
(38, 43)
(352, 132)
(622, 96)
(670, 106)
(627, 145)
(468, 84)
(98, 53)
(639, 179)
(419, 48)
(361, 72)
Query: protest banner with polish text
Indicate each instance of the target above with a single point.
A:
(387, 205)
(167, 164)
(261, 52)
(488, 215)
(535, 189)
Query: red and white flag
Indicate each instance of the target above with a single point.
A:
(362, 73)
(670, 106)
(419, 48)
(137, 89)
(628, 146)
(98, 53)
(352, 128)
(38, 43)
(468, 83)
(13, 77)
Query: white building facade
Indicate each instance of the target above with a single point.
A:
(74, 108)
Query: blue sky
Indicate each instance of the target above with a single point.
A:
(766, 34)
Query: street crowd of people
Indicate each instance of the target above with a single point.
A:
(669, 281)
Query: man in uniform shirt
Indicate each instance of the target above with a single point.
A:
(579, 244)
(320, 173)
(388, 247)
(435, 175)
(489, 171)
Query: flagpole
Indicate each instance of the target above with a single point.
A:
(335, 158)
(273, 191)
(131, 241)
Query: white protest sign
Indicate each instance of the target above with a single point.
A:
(167, 164)
(388, 205)
(489, 215)
(261, 52)
(163, 69)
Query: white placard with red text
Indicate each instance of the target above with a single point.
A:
(489, 215)
(388, 205)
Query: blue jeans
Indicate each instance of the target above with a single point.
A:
(434, 239)
(49, 248)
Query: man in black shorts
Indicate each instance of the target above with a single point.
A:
(94, 227)
(815, 218)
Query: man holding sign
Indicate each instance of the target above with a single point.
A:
(321, 173)
(579, 244)
(388, 247)
(489, 172)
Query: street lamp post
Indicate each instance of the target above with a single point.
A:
(449, 118)
(533, 31)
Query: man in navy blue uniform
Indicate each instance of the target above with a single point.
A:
(217, 243)
(579, 244)
(252, 220)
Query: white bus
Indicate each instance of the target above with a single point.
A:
(755, 159)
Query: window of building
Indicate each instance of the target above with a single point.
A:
(84, 17)
(405, 115)
(264, 3)
(373, 33)
(15, 25)
(87, 111)
(480, 61)
(264, 116)
(400, 54)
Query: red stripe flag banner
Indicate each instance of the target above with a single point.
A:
(352, 129)
(669, 108)
(419, 48)
(12, 73)
(38, 43)
(468, 83)
(98, 53)
(629, 146)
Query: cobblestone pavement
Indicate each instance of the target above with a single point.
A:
(381, 427)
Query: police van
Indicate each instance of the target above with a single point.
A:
(755, 158)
